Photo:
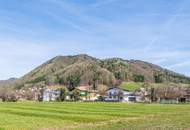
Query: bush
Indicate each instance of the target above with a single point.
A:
(38, 79)
(62, 95)
(73, 81)
(158, 78)
(7, 95)
(76, 95)
(138, 78)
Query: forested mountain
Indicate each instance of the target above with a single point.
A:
(90, 70)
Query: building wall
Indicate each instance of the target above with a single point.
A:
(113, 94)
(50, 95)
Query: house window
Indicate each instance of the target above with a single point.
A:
(132, 99)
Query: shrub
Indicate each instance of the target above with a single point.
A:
(38, 79)
(73, 81)
(62, 95)
(138, 78)
(158, 78)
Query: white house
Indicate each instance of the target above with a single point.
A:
(128, 96)
(50, 95)
(114, 94)
(119, 95)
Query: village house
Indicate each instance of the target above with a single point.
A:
(84, 92)
(167, 95)
(172, 95)
(87, 93)
(128, 96)
(52, 93)
(116, 94)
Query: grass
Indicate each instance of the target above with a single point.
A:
(131, 86)
(93, 116)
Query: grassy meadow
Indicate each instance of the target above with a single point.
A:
(132, 86)
(93, 116)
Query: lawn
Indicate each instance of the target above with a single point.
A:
(93, 116)
(131, 86)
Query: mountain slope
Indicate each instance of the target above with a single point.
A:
(7, 83)
(107, 72)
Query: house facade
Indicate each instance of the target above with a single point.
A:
(50, 95)
(116, 94)
(87, 94)
(128, 96)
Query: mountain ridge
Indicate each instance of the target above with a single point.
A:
(108, 71)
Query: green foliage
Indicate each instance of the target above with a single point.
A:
(118, 75)
(118, 67)
(95, 77)
(38, 79)
(158, 78)
(40, 95)
(138, 78)
(19, 86)
(73, 81)
(62, 95)
(76, 95)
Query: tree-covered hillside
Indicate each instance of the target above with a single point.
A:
(86, 69)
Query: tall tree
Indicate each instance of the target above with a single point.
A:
(62, 95)
(96, 76)
(73, 81)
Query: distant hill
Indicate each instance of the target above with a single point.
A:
(7, 83)
(86, 68)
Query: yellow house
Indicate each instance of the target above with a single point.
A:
(87, 94)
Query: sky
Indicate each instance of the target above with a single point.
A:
(34, 31)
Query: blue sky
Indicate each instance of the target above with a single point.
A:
(33, 31)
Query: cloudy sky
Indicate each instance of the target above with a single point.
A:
(33, 31)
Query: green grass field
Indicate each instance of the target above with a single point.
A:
(93, 116)
(132, 86)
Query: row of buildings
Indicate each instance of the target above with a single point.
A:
(113, 94)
